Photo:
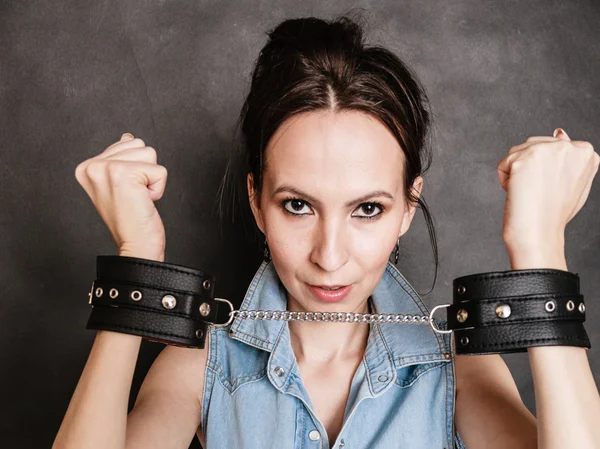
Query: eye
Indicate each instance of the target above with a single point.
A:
(369, 209)
(295, 206)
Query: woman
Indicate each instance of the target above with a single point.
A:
(334, 135)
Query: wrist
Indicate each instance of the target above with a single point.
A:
(528, 255)
(158, 256)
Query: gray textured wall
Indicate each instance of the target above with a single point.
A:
(75, 75)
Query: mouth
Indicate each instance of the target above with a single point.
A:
(330, 293)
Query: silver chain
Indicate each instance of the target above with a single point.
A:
(334, 317)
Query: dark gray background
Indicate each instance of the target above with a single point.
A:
(76, 75)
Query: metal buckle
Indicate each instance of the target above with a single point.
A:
(435, 328)
(231, 317)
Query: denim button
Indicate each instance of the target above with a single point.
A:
(382, 378)
(279, 371)
(314, 435)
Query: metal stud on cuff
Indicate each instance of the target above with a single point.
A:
(136, 295)
(169, 301)
(461, 315)
(503, 311)
(570, 305)
(204, 309)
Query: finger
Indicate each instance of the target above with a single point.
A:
(531, 141)
(504, 164)
(121, 145)
(152, 176)
(540, 139)
(145, 154)
(561, 134)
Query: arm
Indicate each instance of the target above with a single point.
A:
(167, 409)
(489, 410)
(97, 414)
(566, 396)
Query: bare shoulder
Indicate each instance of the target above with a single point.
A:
(489, 409)
(167, 410)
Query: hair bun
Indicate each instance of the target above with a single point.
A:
(310, 33)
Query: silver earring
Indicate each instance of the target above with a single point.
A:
(266, 252)
(396, 253)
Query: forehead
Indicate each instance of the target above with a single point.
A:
(326, 150)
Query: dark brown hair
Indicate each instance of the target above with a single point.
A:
(310, 64)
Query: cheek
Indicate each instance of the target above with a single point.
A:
(289, 238)
(373, 247)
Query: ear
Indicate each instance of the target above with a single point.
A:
(409, 213)
(254, 203)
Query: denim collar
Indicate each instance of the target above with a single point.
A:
(390, 346)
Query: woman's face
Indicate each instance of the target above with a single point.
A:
(332, 206)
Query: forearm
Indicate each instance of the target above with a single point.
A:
(97, 413)
(566, 396)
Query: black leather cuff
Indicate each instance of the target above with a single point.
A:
(158, 301)
(509, 311)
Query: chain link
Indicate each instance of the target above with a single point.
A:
(334, 317)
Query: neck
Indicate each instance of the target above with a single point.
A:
(325, 342)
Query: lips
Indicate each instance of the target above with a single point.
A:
(330, 293)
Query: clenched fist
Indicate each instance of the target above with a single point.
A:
(123, 182)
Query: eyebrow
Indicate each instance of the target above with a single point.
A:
(313, 200)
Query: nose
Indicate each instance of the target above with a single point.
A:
(330, 247)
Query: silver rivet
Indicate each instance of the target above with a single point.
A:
(382, 378)
(464, 341)
(503, 311)
(204, 309)
(461, 315)
(206, 284)
(279, 371)
(199, 333)
(570, 305)
(169, 301)
(113, 293)
(550, 306)
(461, 289)
(136, 295)
(314, 435)
(581, 307)
(99, 292)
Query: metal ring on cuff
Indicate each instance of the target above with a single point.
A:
(231, 317)
(435, 328)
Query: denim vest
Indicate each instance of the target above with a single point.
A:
(402, 394)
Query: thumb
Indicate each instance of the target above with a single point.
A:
(561, 134)
(127, 136)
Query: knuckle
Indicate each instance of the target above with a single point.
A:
(139, 141)
(95, 170)
(79, 170)
(152, 152)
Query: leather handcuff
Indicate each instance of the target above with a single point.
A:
(491, 312)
